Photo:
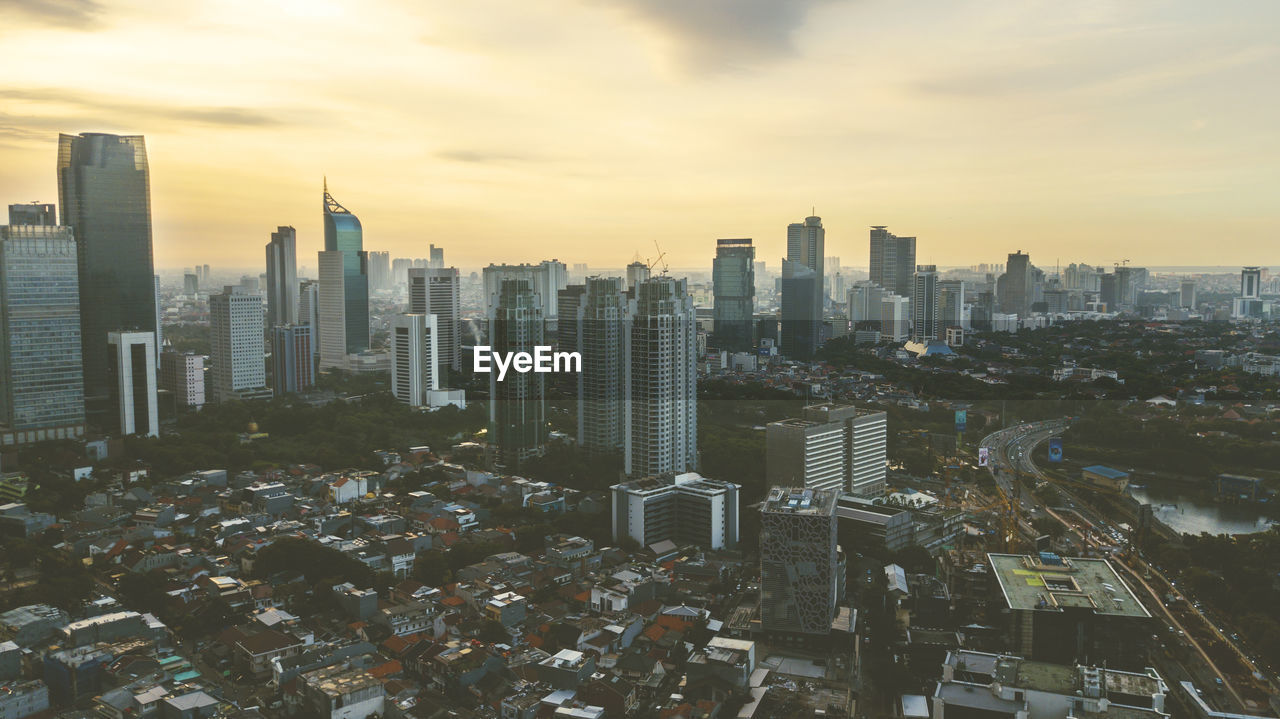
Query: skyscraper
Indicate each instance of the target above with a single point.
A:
(190, 284)
(236, 346)
(895, 318)
(435, 258)
(414, 358)
(183, 375)
(595, 322)
(663, 432)
(924, 304)
(951, 305)
(545, 279)
(893, 260)
(637, 272)
(104, 193)
(282, 277)
(293, 367)
(865, 299)
(801, 310)
(32, 214)
(733, 282)
(434, 291)
(836, 447)
(380, 270)
(41, 380)
(344, 286)
(1187, 294)
(806, 242)
(801, 569)
(517, 404)
(1014, 289)
(1250, 283)
(131, 371)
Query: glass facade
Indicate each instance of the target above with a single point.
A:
(104, 191)
(342, 233)
(517, 408)
(41, 384)
(734, 283)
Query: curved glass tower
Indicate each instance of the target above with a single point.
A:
(343, 234)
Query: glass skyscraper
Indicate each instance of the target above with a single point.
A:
(342, 233)
(517, 404)
(733, 282)
(104, 192)
(41, 385)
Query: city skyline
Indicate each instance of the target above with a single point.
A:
(1108, 129)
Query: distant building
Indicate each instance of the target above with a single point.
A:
(594, 320)
(236, 346)
(414, 358)
(801, 313)
(33, 214)
(687, 509)
(293, 367)
(1014, 288)
(183, 375)
(517, 406)
(924, 304)
(435, 292)
(545, 280)
(801, 566)
(733, 281)
(893, 261)
(895, 320)
(344, 286)
(663, 432)
(282, 277)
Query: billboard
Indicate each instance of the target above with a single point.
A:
(984, 456)
(1055, 449)
(962, 417)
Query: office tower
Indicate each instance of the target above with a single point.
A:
(595, 322)
(924, 304)
(895, 318)
(517, 404)
(182, 374)
(414, 358)
(309, 313)
(293, 367)
(1250, 283)
(400, 270)
(1108, 291)
(686, 508)
(282, 277)
(32, 214)
(1130, 282)
(637, 272)
(104, 193)
(545, 280)
(761, 269)
(1187, 294)
(806, 242)
(831, 270)
(190, 284)
(734, 284)
(833, 446)
(236, 346)
(434, 291)
(663, 432)
(41, 380)
(1083, 277)
(1014, 288)
(951, 305)
(131, 371)
(801, 310)
(801, 568)
(865, 298)
(344, 286)
(379, 270)
(435, 258)
(893, 260)
(205, 276)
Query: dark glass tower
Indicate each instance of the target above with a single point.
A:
(342, 233)
(517, 404)
(104, 191)
(733, 281)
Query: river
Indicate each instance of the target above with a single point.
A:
(1194, 515)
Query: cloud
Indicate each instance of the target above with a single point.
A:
(483, 157)
(98, 108)
(723, 35)
(76, 14)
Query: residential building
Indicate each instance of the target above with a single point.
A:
(414, 357)
(517, 406)
(545, 280)
(893, 261)
(595, 321)
(663, 413)
(236, 346)
(182, 373)
(687, 509)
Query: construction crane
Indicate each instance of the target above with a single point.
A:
(659, 259)
(1122, 263)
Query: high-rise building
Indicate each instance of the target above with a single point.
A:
(344, 286)
(517, 404)
(1014, 289)
(545, 279)
(801, 310)
(595, 322)
(435, 258)
(1251, 283)
(400, 267)
(893, 260)
(33, 214)
(951, 305)
(836, 447)
(104, 193)
(434, 291)
(309, 313)
(293, 366)
(1130, 283)
(1108, 291)
(182, 374)
(895, 318)
(806, 242)
(131, 370)
(924, 304)
(1187, 294)
(685, 508)
(865, 299)
(831, 270)
(190, 284)
(734, 285)
(637, 272)
(236, 346)
(414, 358)
(282, 277)
(801, 567)
(380, 270)
(155, 284)
(41, 381)
(663, 432)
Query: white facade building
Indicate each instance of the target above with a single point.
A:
(133, 367)
(414, 357)
(237, 349)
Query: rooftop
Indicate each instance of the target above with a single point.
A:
(794, 500)
(1077, 583)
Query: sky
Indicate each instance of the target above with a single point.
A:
(597, 131)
